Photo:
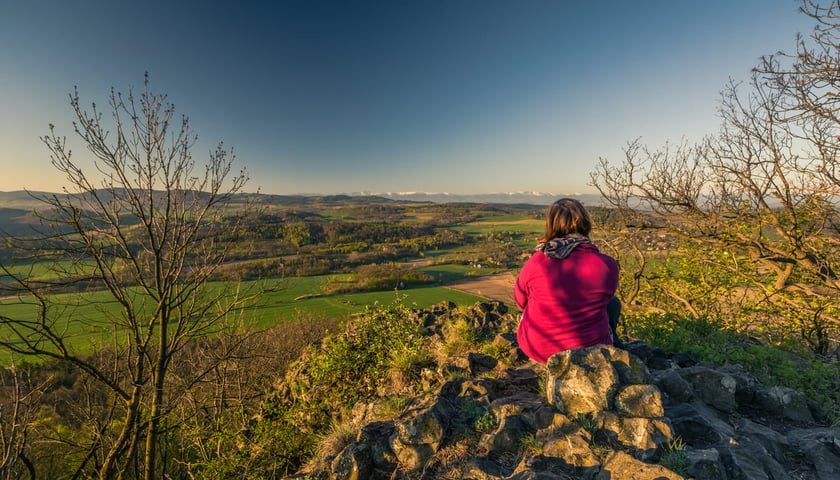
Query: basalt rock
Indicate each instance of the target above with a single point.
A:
(596, 413)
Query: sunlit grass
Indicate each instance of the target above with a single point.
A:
(512, 223)
(84, 318)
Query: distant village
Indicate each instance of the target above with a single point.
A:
(656, 241)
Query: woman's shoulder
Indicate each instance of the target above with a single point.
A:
(592, 249)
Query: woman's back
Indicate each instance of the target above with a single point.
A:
(564, 301)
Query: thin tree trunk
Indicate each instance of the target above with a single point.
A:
(109, 464)
(157, 401)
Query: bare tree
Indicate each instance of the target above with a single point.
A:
(146, 227)
(18, 407)
(762, 193)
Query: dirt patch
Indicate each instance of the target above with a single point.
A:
(495, 287)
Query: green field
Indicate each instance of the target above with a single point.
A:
(276, 306)
(511, 223)
(448, 273)
(83, 317)
(47, 270)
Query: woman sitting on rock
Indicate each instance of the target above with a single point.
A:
(566, 290)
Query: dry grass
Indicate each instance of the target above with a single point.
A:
(338, 437)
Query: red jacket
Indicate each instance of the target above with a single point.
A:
(563, 302)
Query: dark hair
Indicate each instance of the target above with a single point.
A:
(566, 216)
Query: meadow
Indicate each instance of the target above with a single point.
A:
(84, 318)
(90, 320)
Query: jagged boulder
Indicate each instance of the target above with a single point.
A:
(575, 449)
(621, 465)
(642, 435)
(480, 363)
(704, 464)
(714, 387)
(487, 315)
(819, 447)
(482, 468)
(640, 401)
(418, 435)
(750, 461)
(543, 467)
(695, 427)
(581, 381)
(786, 402)
(508, 436)
(378, 436)
(674, 385)
(353, 463)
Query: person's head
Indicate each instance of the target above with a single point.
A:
(566, 216)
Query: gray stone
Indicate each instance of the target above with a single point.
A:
(704, 464)
(480, 363)
(429, 378)
(693, 427)
(713, 387)
(544, 464)
(786, 402)
(532, 475)
(750, 461)
(561, 429)
(353, 463)
(826, 462)
(411, 457)
(478, 390)
(772, 441)
(639, 401)
(377, 436)
(526, 403)
(482, 468)
(525, 378)
(684, 360)
(420, 427)
(821, 448)
(508, 437)
(674, 385)
(746, 385)
(817, 412)
(653, 357)
(547, 416)
(630, 368)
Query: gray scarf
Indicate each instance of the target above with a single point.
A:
(560, 248)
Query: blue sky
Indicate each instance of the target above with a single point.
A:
(392, 95)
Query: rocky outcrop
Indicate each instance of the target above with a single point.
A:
(598, 413)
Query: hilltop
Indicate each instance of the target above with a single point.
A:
(458, 399)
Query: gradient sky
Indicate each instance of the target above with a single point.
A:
(395, 95)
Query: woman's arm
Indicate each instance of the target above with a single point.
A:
(520, 290)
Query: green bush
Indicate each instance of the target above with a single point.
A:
(354, 362)
(320, 388)
(274, 448)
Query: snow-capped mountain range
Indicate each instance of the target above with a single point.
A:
(536, 198)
